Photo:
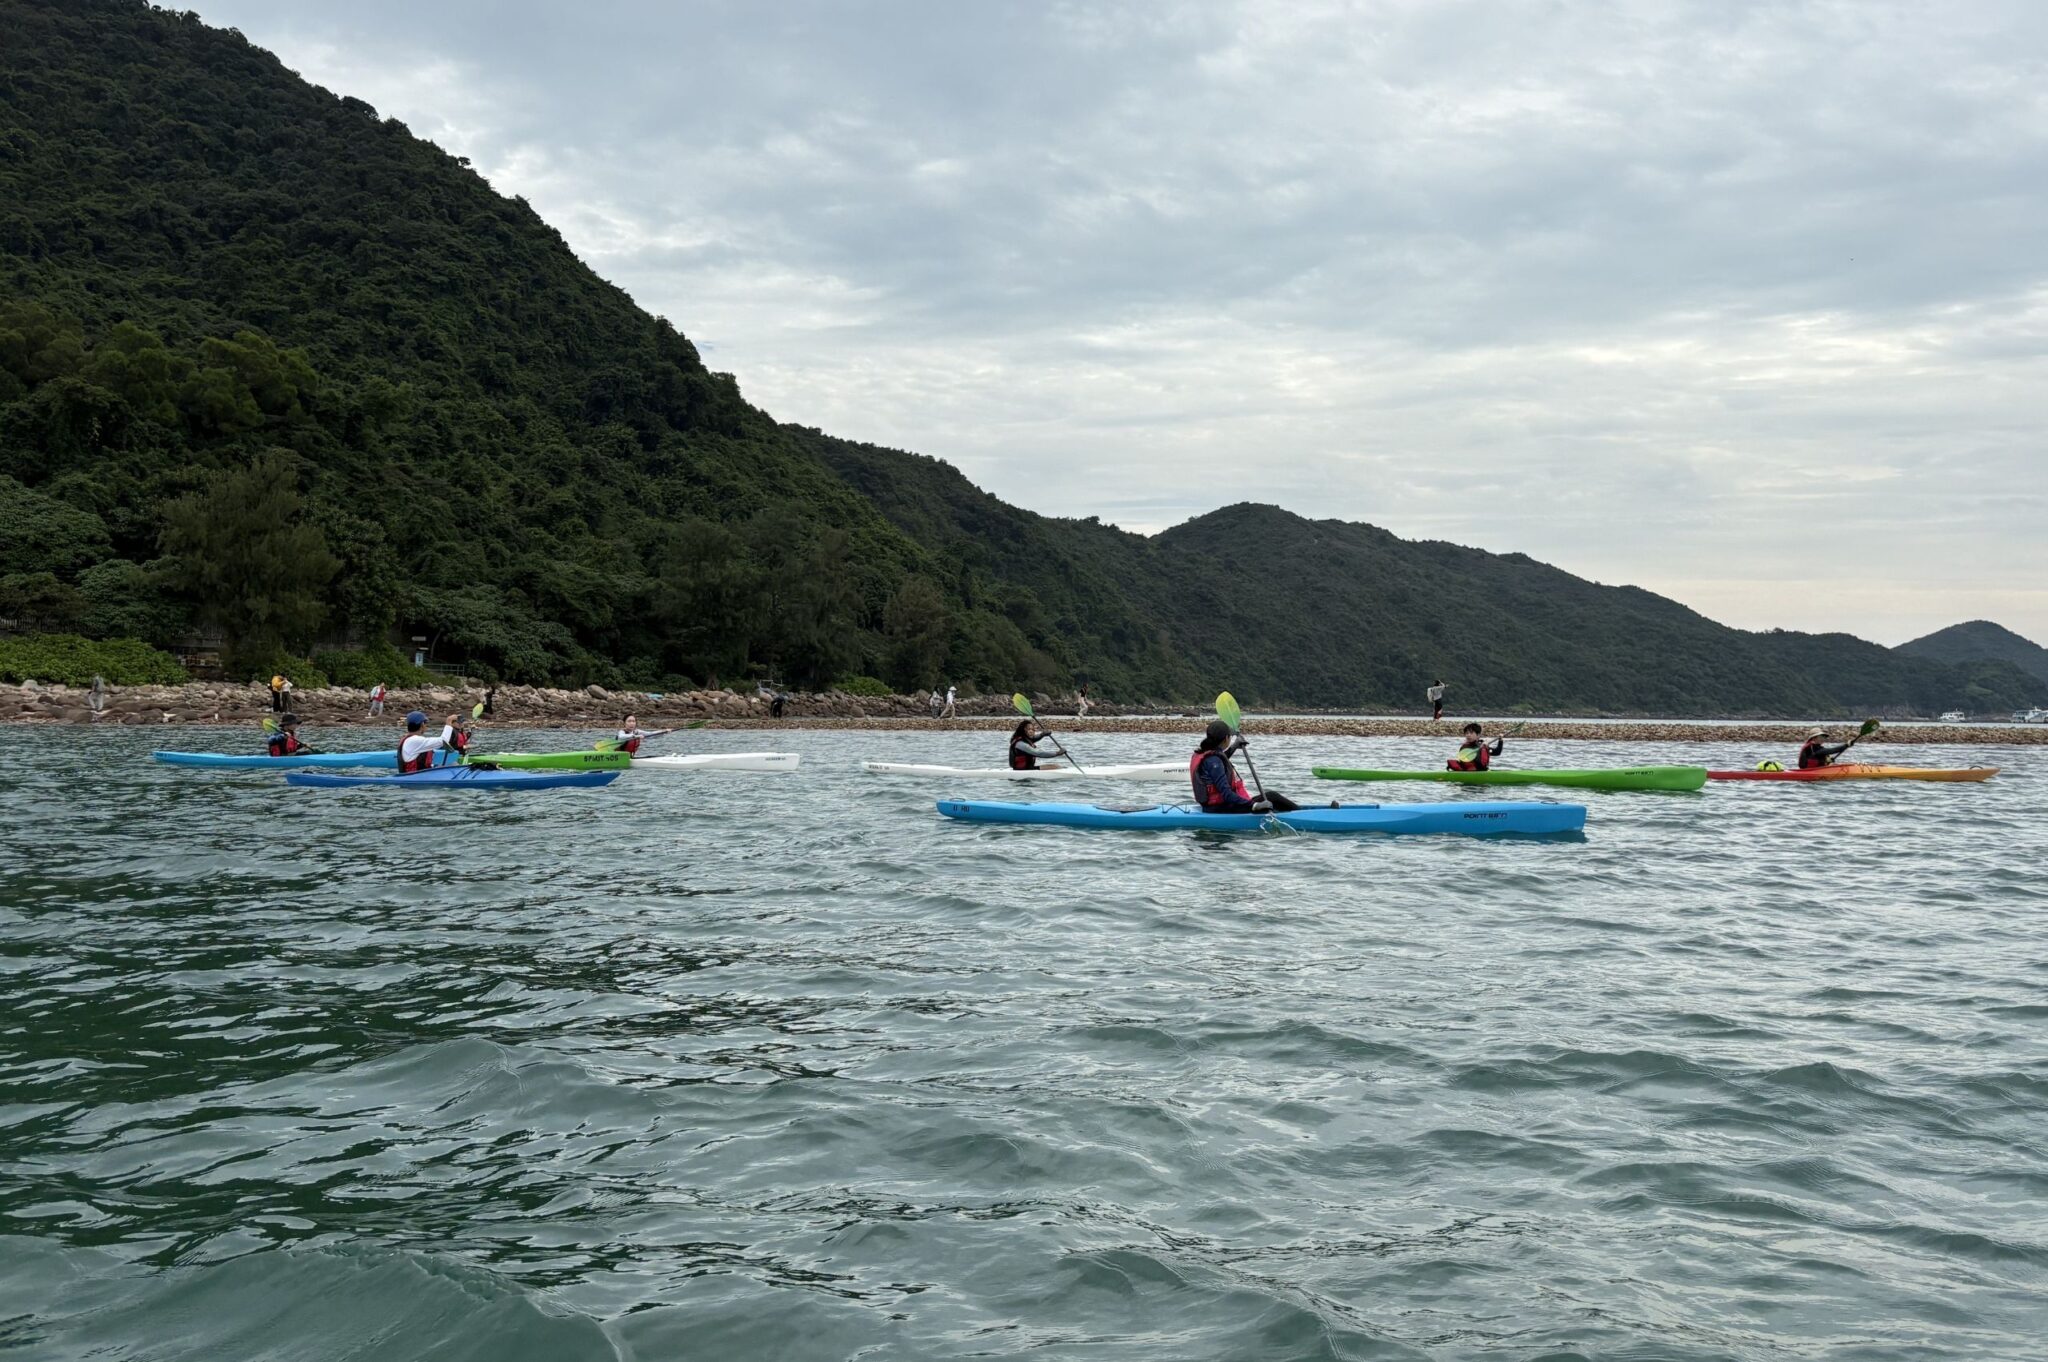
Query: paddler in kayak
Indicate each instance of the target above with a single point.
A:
(1815, 752)
(1475, 753)
(1217, 787)
(416, 750)
(1025, 753)
(285, 742)
(629, 738)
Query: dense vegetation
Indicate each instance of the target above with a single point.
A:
(271, 366)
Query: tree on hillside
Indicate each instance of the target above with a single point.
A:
(244, 554)
(919, 628)
(704, 600)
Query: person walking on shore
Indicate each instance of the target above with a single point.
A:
(1436, 699)
(490, 700)
(377, 700)
(951, 710)
(277, 693)
(96, 698)
(1081, 703)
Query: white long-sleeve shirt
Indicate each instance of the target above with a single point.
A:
(418, 744)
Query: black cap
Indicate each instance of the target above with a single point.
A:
(1218, 730)
(287, 720)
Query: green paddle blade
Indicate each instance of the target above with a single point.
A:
(1228, 712)
(1023, 705)
(269, 724)
(1870, 726)
(477, 710)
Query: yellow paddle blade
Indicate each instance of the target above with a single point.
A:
(1228, 712)
(1023, 705)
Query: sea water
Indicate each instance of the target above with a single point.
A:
(730, 1066)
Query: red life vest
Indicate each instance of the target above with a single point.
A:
(284, 744)
(423, 762)
(1813, 755)
(460, 742)
(1021, 760)
(1210, 797)
(1482, 762)
(630, 746)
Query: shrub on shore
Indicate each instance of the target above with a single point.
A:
(68, 660)
(363, 668)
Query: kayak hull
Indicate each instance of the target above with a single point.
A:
(454, 778)
(305, 761)
(552, 761)
(1152, 771)
(1858, 772)
(681, 763)
(1611, 778)
(1469, 818)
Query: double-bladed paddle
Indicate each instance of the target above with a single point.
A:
(1228, 711)
(613, 744)
(1024, 708)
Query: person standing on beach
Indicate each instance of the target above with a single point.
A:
(1436, 699)
(1081, 703)
(377, 700)
(490, 700)
(950, 711)
(96, 698)
(276, 693)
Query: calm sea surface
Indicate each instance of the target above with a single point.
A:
(733, 1067)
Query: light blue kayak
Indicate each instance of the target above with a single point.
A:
(382, 756)
(454, 778)
(1475, 818)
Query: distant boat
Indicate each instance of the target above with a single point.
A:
(1954, 716)
(2030, 716)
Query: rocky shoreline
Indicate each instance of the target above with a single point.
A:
(535, 707)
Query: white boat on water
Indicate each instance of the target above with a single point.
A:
(2030, 716)
(1954, 716)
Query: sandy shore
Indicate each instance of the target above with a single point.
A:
(593, 707)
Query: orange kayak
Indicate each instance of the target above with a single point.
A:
(1854, 771)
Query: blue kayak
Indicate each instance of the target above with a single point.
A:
(455, 778)
(382, 756)
(1475, 818)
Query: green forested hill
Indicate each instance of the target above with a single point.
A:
(1981, 641)
(271, 365)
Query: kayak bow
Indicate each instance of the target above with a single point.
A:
(1853, 771)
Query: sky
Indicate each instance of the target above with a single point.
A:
(1744, 303)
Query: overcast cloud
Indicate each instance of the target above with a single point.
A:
(1746, 303)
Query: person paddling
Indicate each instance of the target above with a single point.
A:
(1025, 753)
(1476, 753)
(1815, 752)
(629, 738)
(416, 750)
(1217, 786)
(285, 742)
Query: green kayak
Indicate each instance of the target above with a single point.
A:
(1612, 778)
(552, 761)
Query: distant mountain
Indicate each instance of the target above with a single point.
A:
(269, 361)
(1981, 641)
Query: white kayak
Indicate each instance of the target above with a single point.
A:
(1158, 770)
(720, 761)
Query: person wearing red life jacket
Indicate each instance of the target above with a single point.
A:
(1476, 753)
(1025, 753)
(629, 738)
(1216, 784)
(285, 742)
(416, 750)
